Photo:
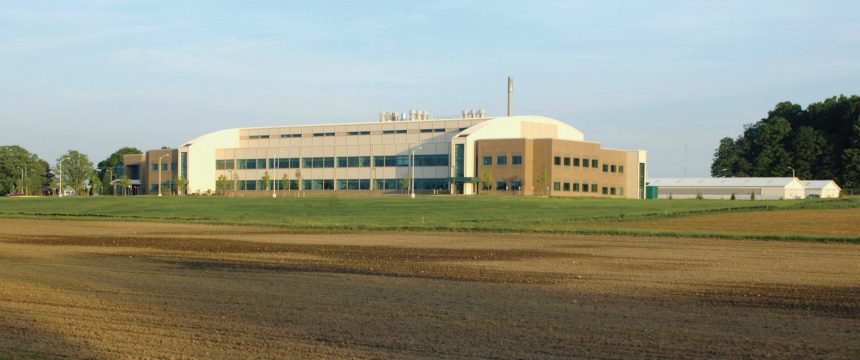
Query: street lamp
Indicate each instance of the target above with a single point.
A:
(275, 177)
(159, 172)
(60, 166)
(792, 171)
(112, 185)
(412, 181)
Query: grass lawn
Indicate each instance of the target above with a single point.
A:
(504, 214)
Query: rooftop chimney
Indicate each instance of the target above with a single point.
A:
(510, 93)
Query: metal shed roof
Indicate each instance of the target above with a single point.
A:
(721, 182)
(819, 184)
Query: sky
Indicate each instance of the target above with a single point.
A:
(669, 77)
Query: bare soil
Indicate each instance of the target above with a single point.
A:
(820, 222)
(119, 290)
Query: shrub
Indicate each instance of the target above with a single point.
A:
(733, 196)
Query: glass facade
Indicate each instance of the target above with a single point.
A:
(459, 156)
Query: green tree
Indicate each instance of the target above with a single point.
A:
(285, 181)
(21, 171)
(851, 170)
(108, 166)
(299, 184)
(404, 184)
(808, 148)
(76, 168)
(773, 159)
(125, 183)
(725, 159)
(818, 142)
(487, 180)
(94, 184)
(266, 180)
(181, 185)
(222, 184)
(543, 180)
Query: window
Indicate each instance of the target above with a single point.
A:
(621, 169)
(576, 187)
(255, 137)
(488, 160)
(154, 167)
(516, 185)
(594, 188)
(401, 160)
(567, 186)
(517, 160)
(246, 164)
(575, 161)
(386, 132)
(585, 162)
(164, 166)
(621, 191)
(556, 160)
(426, 130)
(594, 163)
(224, 164)
(379, 161)
(605, 168)
(556, 186)
(438, 130)
(585, 187)
(501, 160)
(291, 136)
(612, 191)
(318, 162)
(431, 160)
(323, 134)
(566, 161)
(605, 190)
(261, 163)
(613, 168)
(502, 186)
(458, 159)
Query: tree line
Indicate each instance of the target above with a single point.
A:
(819, 142)
(22, 172)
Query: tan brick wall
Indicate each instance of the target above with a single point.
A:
(540, 154)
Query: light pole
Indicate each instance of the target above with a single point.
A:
(792, 171)
(112, 185)
(412, 181)
(60, 166)
(159, 172)
(275, 177)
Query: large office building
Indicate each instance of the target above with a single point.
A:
(517, 155)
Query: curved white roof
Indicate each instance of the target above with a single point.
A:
(528, 126)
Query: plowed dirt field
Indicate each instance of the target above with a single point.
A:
(118, 290)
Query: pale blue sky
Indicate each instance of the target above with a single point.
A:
(98, 75)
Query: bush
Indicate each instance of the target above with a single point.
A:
(752, 196)
(733, 197)
(699, 196)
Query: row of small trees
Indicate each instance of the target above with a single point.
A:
(487, 180)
